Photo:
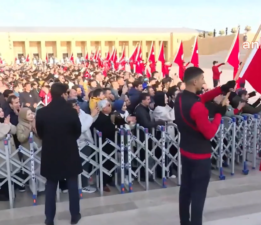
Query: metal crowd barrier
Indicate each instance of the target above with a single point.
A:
(138, 154)
(237, 141)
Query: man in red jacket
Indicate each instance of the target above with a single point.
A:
(196, 131)
(216, 73)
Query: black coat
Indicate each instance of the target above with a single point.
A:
(59, 127)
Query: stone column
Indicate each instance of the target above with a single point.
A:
(43, 51)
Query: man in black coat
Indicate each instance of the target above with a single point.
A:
(59, 127)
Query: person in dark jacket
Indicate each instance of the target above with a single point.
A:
(134, 95)
(28, 98)
(248, 108)
(143, 118)
(3, 101)
(196, 132)
(59, 127)
(104, 124)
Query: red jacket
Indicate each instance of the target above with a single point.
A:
(193, 118)
(152, 67)
(166, 69)
(45, 98)
(216, 72)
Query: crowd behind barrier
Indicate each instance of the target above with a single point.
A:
(135, 155)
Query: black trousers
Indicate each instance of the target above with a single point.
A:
(50, 198)
(215, 83)
(194, 183)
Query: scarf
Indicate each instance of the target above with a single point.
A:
(118, 106)
(22, 118)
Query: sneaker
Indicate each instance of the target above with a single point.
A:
(88, 189)
(106, 189)
(21, 189)
(64, 190)
(172, 176)
(76, 219)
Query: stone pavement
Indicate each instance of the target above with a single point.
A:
(233, 201)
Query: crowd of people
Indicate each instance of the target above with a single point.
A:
(55, 101)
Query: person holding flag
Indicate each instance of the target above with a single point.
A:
(216, 73)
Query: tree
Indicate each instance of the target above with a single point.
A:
(247, 28)
(200, 34)
(221, 32)
(233, 30)
(210, 33)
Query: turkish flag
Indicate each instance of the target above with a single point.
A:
(134, 55)
(122, 61)
(138, 60)
(251, 69)
(179, 56)
(71, 58)
(151, 57)
(46, 58)
(107, 56)
(27, 58)
(179, 60)
(98, 58)
(194, 57)
(162, 58)
(87, 56)
(113, 57)
(96, 55)
(233, 56)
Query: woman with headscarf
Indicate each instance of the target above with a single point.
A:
(5, 128)
(121, 116)
(25, 126)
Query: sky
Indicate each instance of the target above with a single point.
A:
(195, 14)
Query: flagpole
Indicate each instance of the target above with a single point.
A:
(231, 47)
(193, 47)
(243, 63)
(150, 51)
(159, 50)
(137, 52)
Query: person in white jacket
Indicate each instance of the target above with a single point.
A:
(86, 136)
(163, 111)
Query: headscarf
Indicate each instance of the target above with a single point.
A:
(159, 99)
(22, 117)
(118, 106)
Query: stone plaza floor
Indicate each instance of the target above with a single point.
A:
(236, 200)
